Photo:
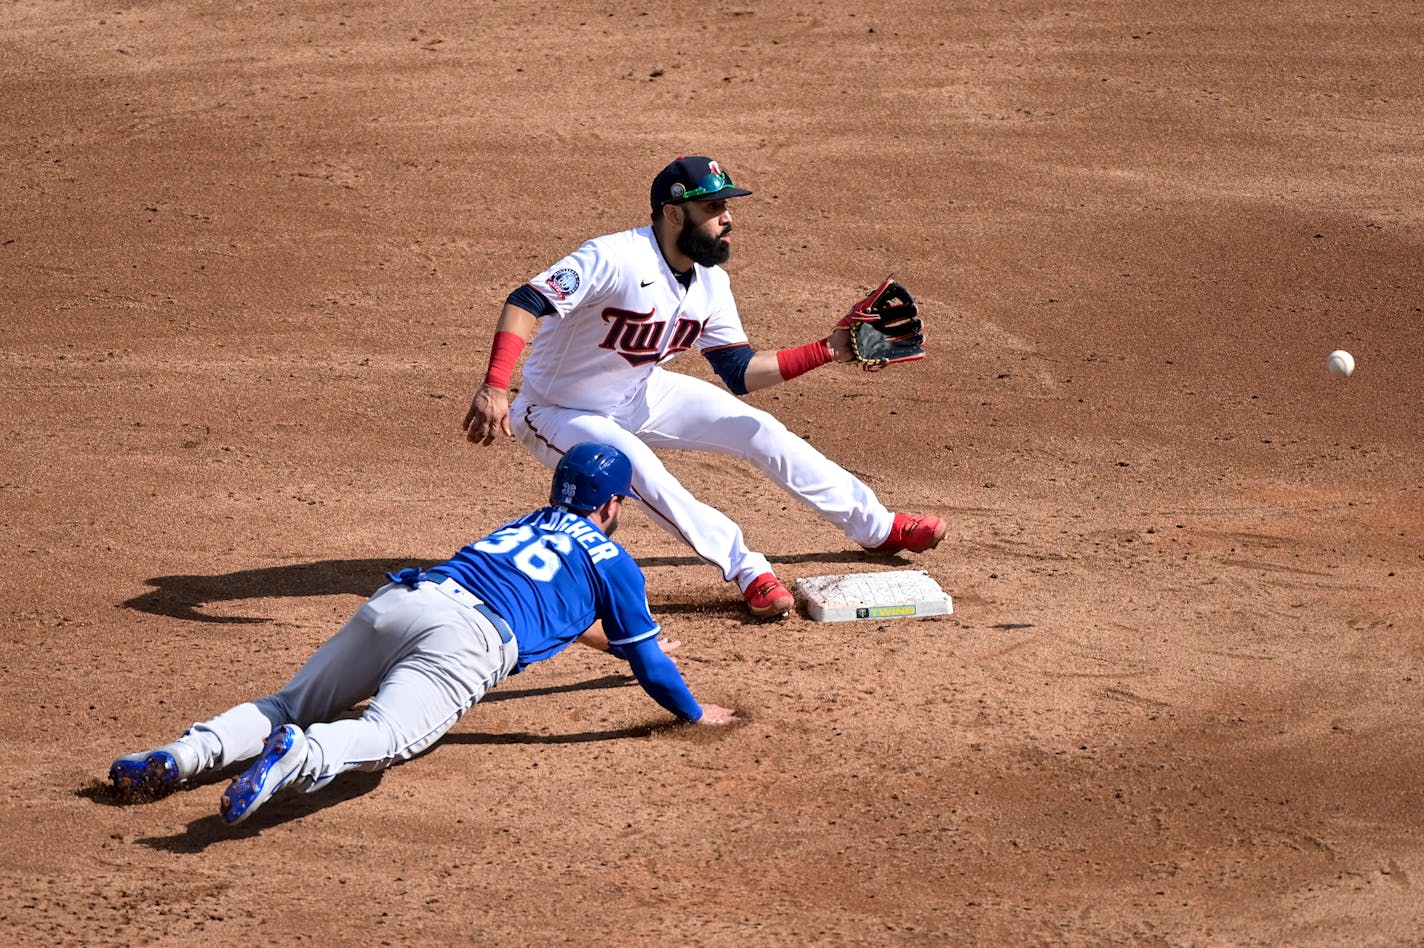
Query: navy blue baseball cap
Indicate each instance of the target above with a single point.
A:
(693, 178)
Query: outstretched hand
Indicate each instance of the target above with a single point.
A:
(716, 714)
(488, 416)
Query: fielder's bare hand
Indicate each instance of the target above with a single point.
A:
(716, 714)
(839, 344)
(488, 416)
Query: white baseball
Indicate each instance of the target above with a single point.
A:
(1340, 362)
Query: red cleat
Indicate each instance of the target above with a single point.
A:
(912, 533)
(766, 596)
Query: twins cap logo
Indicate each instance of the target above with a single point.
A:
(679, 189)
(563, 282)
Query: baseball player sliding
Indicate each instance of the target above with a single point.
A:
(429, 644)
(621, 306)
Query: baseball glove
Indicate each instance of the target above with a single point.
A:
(885, 327)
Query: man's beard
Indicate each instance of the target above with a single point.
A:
(702, 247)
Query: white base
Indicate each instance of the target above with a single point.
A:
(900, 594)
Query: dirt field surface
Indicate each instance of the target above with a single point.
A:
(251, 258)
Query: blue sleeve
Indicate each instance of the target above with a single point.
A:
(660, 677)
(730, 362)
(531, 300)
(622, 599)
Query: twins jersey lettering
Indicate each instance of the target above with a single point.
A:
(619, 312)
(567, 574)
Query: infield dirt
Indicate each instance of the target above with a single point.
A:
(251, 258)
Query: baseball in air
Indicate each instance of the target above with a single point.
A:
(1340, 363)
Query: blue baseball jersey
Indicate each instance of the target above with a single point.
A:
(550, 574)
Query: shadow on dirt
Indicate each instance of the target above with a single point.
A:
(204, 831)
(524, 737)
(181, 597)
(593, 684)
(844, 557)
(185, 596)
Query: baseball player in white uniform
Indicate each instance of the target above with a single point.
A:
(615, 311)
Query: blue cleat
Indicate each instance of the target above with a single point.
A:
(279, 763)
(155, 772)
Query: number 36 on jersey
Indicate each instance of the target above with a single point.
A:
(535, 553)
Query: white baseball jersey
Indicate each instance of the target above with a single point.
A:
(594, 374)
(620, 312)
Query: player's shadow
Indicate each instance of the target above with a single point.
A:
(848, 557)
(525, 737)
(842, 557)
(206, 830)
(184, 596)
(288, 806)
(503, 693)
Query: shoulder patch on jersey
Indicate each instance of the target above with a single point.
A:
(563, 282)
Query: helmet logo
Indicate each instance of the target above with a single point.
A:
(588, 475)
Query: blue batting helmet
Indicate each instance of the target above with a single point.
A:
(588, 475)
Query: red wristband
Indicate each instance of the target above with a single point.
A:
(503, 356)
(802, 359)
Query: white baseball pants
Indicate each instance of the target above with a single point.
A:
(672, 410)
